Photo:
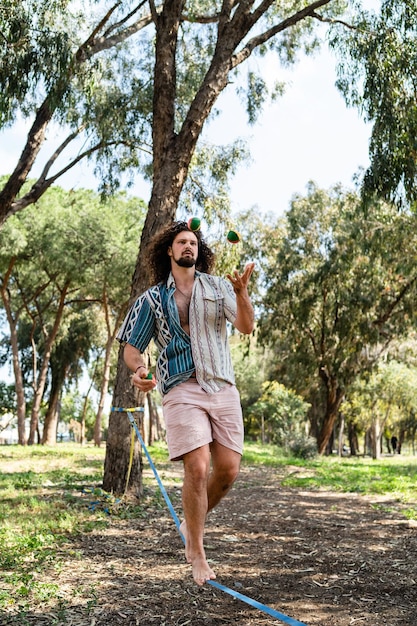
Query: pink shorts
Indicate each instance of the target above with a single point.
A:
(194, 418)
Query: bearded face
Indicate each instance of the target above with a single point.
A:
(184, 249)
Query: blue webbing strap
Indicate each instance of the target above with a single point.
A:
(258, 605)
(240, 596)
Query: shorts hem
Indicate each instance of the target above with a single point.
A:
(186, 449)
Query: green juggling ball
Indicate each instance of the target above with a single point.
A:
(194, 223)
(233, 236)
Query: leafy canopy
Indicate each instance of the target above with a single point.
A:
(342, 285)
(377, 74)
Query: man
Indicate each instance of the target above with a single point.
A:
(186, 315)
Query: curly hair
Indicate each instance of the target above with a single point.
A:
(160, 262)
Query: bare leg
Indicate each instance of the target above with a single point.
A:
(201, 493)
(195, 503)
(225, 469)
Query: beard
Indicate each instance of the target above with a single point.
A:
(187, 261)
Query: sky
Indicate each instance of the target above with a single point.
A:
(307, 134)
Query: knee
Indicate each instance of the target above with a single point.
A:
(227, 476)
(197, 471)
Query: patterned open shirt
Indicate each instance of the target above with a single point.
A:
(205, 351)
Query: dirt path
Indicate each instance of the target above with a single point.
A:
(324, 559)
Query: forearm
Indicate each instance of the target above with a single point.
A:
(134, 359)
(136, 363)
(245, 317)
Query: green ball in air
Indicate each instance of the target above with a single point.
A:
(194, 223)
(233, 236)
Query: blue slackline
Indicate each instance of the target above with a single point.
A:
(240, 596)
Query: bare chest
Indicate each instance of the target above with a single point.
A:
(183, 305)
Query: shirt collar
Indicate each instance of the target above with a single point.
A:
(171, 281)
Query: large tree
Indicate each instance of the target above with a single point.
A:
(341, 288)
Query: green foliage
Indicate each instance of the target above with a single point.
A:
(280, 412)
(72, 408)
(302, 446)
(389, 394)
(256, 95)
(377, 70)
(35, 49)
(205, 191)
(341, 287)
(70, 242)
(7, 398)
(249, 364)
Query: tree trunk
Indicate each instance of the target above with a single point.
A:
(107, 365)
(51, 417)
(353, 439)
(18, 380)
(17, 370)
(41, 382)
(83, 437)
(58, 374)
(334, 398)
(103, 393)
(367, 445)
(33, 145)
(170, 159)
(341, 434)
(376, 438)
(401, 438)
(151, 420)
(116, 462)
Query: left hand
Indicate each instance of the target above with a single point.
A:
(142, 382)
(240, 281)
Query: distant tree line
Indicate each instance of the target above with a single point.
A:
(65, 268)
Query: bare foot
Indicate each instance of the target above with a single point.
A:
(183, 531)
(202, 572)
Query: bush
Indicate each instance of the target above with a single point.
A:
(303, 447)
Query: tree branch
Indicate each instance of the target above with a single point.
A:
(43, 183)
(123, 21)
(383, 318)
(154, 12)
(105, 43)
(328, 20)
(99, 26)
(262, 38)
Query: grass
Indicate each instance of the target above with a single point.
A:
(394, 476)
(39, 512)
(50, 495)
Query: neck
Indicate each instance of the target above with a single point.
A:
(183, 275)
